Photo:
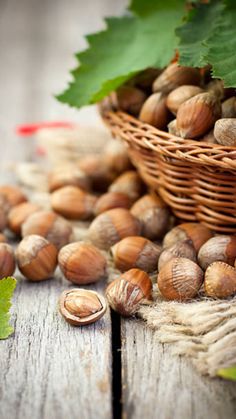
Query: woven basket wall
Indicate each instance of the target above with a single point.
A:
(197, 180)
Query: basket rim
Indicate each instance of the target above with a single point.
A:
(191, 151)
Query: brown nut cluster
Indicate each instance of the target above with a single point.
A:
(80, 307)
(128, 183)
(188, 94)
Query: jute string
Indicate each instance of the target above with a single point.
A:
(203, 329)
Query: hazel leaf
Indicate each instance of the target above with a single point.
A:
(129, 45)
(7, 286)
(228, 373)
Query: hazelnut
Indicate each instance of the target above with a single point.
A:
(180, 95)
(220, 280)
(82, 263)
(174, 76)
(68, 175)
(218, 248)
(126, 293)
(196, 233)
(216, 88)
(73, 203)
(3, 218)
(7, 260)
(12, 194)
(130, 99)
(154, 111)
(172, 128)
(183, 249)
(197, 115)
(128, 183)
(112, 200)
(153, 214)
(225, 131)
(3, 238)
(136, 252)
(98, 171)
(180, 279)
(80, 307)
(111, 226)
(19, 214)
(116, 156)
(47, 224)
(36, 258)
(229, 108)
(145, 78)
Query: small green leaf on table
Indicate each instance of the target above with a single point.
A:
(7, 286)
(228, 373)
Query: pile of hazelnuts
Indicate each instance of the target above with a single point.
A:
(129, 225)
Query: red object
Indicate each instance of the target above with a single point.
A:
(29, 129)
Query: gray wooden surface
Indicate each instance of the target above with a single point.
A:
(47, 369)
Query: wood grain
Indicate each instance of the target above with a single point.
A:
(50, 369)
(158, 385)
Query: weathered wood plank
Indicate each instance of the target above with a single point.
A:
(157, 385)
(48, 368)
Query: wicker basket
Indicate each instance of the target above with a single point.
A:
(197, 180)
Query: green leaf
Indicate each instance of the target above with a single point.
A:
(229, 373)
(7, 286)
(200, 24)
(222, 46)
(129, 45)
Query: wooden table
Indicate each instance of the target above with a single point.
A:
(49, 370)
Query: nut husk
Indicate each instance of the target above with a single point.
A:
(174, 76)
(80, 307)
(220, 280)
(111, 226)
(73, 203)
(136, 252)
(219, 248)
(82, 263)
(180, 95)
(225, 131)
(180, 279)
(125, 293)
(36, 258)
(197, 115)
(154, 111)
